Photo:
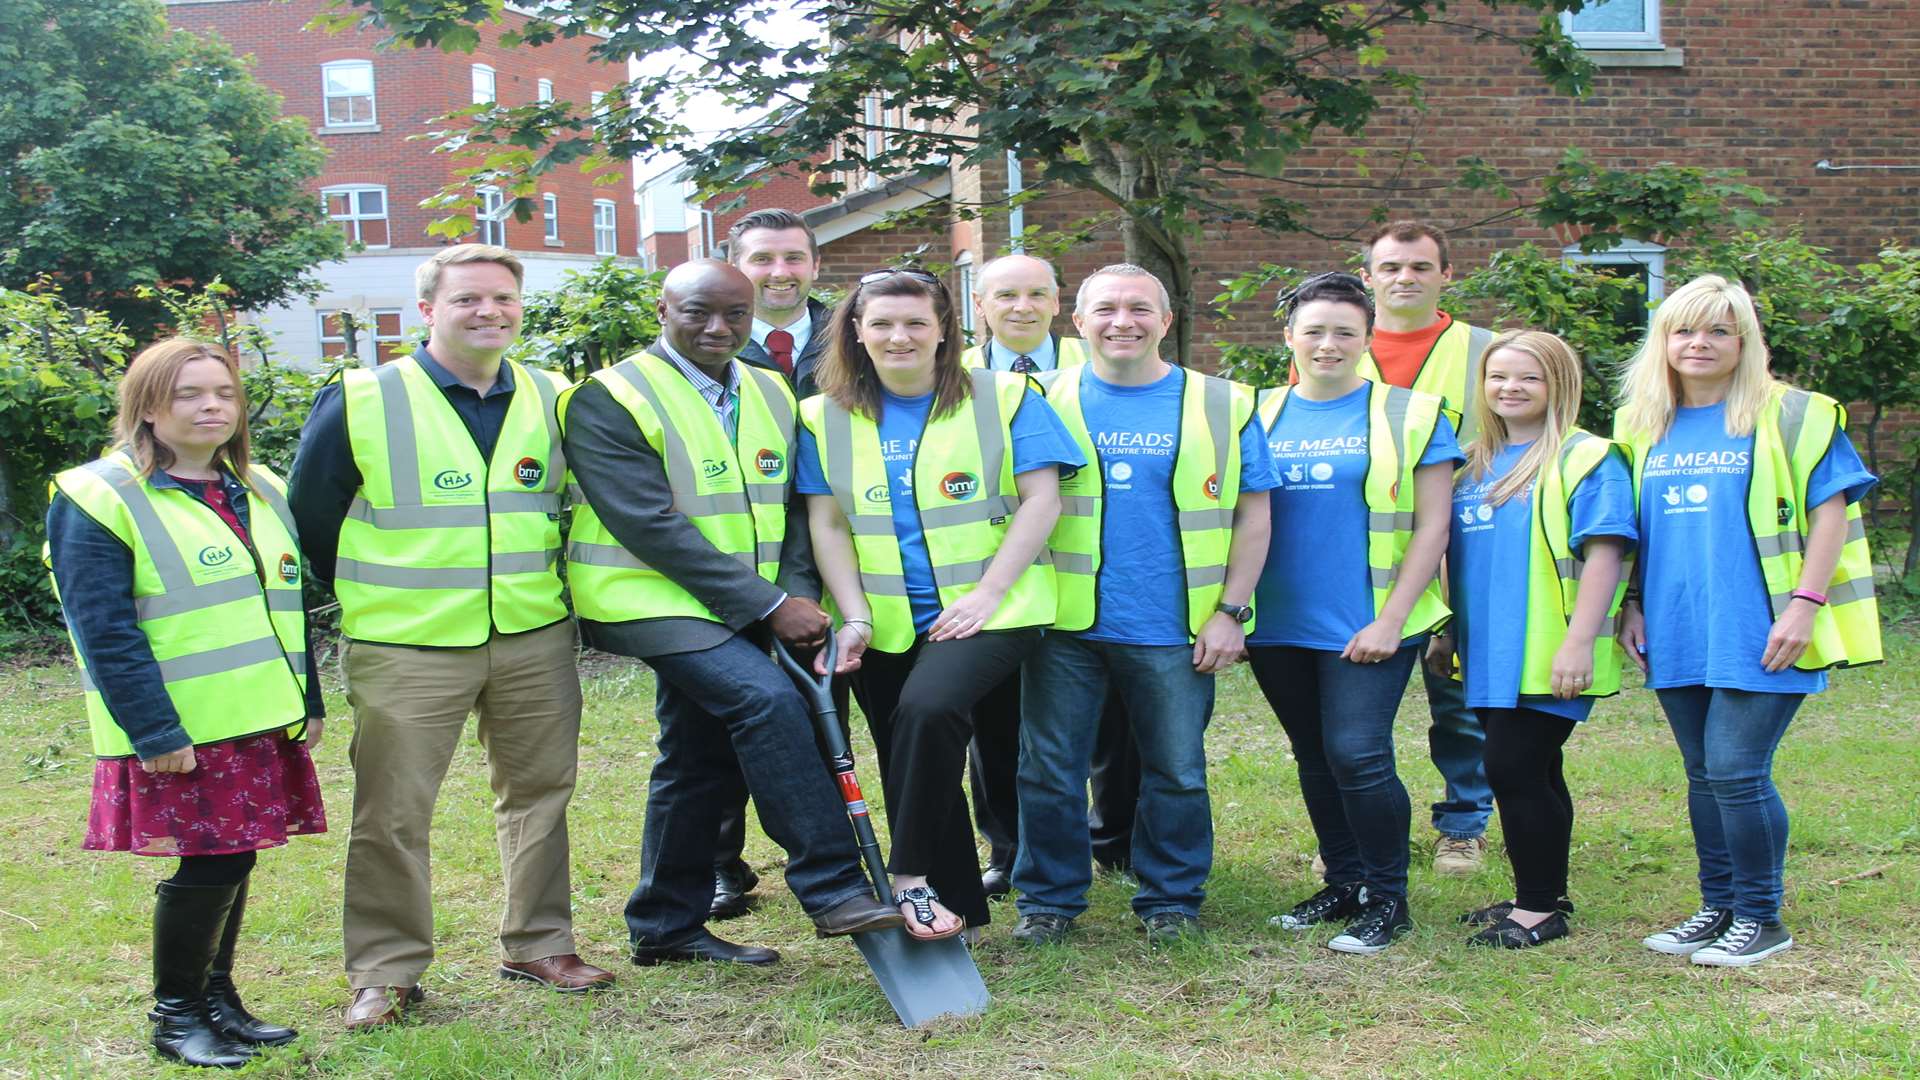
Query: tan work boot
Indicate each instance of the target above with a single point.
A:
(1459, 856)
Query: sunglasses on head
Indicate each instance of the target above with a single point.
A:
(913, 272)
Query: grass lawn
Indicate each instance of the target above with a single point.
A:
(1246, 1000)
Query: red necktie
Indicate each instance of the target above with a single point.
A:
(780, 347)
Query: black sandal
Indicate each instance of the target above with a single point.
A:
(921, 898)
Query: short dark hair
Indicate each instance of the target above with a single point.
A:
(775, 218)
(1336, 286)
(1406, 232)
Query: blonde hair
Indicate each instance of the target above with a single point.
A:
(426, 277)
(1561, 366)
(1649, 387)
(148, 387)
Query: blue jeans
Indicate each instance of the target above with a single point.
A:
(1458, 743)
(1063, 690)
(727, 713)
(1339, 718)
(1727, 739)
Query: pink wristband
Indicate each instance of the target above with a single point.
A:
(1814, 598)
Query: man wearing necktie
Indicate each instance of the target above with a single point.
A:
(1018, 298)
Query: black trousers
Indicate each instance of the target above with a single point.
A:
(994, 760)
(920, 706)
(1524, 759)
(731, 845)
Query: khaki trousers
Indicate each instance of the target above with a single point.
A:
(410, 708)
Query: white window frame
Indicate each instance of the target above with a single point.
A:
(353, 218)
(327, 96)
(492, 92)
(963, 291)
(1600, 39)
(370, 336)
(1653, 257)
(543, 90)
(490, 218)
(550, 214)
(606, 231)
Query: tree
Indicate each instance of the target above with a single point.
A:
(1153, 104)
(132, 156)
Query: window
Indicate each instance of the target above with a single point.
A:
(483, 84)
(491, 219)
(550, 211)
(963, 296)
(1635, 260)
(383, 325)
(543, 90)
(606, 233)
(1614, 24)
(349, 92)
(361, 212)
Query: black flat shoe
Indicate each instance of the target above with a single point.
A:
(702, 945)
(996, 883)
(1507, 934)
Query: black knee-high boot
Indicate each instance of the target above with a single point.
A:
(187, 924)
(223, 1001)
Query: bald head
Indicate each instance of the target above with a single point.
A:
(706, 311)
(1018, 297)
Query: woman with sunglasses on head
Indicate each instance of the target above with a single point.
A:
(1753, 579)
(1348, 596)
(931, 492)
(1542, 520)
(176, 564)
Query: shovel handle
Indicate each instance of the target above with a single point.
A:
(818, 689)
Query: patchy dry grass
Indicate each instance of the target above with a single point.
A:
(1246, 1000)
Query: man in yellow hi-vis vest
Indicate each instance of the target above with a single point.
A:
(428, 493)
(1416, 345)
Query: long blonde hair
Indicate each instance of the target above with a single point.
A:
(1649, 387)
(148, 387)
(1561, 365)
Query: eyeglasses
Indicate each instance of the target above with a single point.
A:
(913, 272)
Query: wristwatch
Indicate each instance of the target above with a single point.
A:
(1242, 613)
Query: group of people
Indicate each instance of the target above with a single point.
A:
(1037, 553)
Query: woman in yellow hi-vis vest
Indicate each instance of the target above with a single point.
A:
(1753, 579)
(1542, 518)
(931, 492)
(176, 565)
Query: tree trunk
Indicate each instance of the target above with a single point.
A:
(1151, 243)
(1913, 527)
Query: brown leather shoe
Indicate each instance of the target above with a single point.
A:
(857, 915)
(566, 973)
(374, 1006)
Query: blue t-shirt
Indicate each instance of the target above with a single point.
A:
(1141, 595)
(1315, 592)
(1706, 602)
(1039, 439)
(1489, 560)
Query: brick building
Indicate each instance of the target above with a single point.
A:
(1818, 100)
(364, 104)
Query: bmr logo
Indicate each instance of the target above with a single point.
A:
(769, 462)
(452, 479)
(529, 472)
(713, 468)
(215, 556)
(289, 567)
(1213, 487)
(959, 486)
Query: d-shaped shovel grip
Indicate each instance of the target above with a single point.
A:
(818, 690)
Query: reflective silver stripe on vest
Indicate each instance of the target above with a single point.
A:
(285, 600)
(1477, 341)
(1203, 520)
(1078, 505)
(458, 516)
(883, 584)
(1850, 591)
(1199, 577)
(180, 593)
(767, 494)
(524, 502)
(1072, 562)
(1394, 522)
(609, 555)
(276, 502)
(772, 391)
(1786, 540)
(410, 577)
(196, 597)
(969, 512)
(839, 449)
(679, 462)
(550, 412)
(1793, 418)
(989, 431)
(522, 562)
(1216, 407)
(403, 449)
(961, 573)
(1398, 401)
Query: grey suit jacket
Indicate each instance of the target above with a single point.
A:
(625, 480)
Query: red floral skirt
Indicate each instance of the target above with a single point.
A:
(243, 795)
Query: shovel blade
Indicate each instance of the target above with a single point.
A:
(924, 980)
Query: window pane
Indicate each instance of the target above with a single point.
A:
(350, 79)
(482, 84)
(544, 91)
(339, 203)
(388, 351)
(330, 325)
(1611, 17)
(386, 324)
(373, 204)
(373, 232)
(333, 348)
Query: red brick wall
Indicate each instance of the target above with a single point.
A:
(786, 190)
(411, 88)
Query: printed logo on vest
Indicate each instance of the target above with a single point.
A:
(452, 479)
(769, 462)
(879, 493)
(215, 556)
(959, 486)
(1213, 486)
(713, 468)
(289, 567)
(1784, 513)
(529, 472)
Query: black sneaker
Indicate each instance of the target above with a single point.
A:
(1042, 928)
(1507, 934)
(1167, 927)
(1375, 928)
(1493, 913)
(1335, 902)
(1696, 933)
(1747, 941)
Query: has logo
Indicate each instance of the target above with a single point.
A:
(769, 462)
(529, 472)
(452, 479)
(1213, 486)
(215, 556)
(879, 493)
(959, 486)
(289, 567)
(713, 468)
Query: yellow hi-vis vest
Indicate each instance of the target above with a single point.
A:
(1400, 423)
(734, 490)
(227, 628)
(1450, 372)
(441, 546)
(1792, 433)
(963, 489)
(1206, 486)
(1553, 573)
(1067, 352)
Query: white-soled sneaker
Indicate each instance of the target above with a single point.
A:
(1746, 942)
(1693, 935)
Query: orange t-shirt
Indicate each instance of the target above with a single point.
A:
(1400, 355)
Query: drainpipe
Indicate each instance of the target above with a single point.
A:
(1017, 216)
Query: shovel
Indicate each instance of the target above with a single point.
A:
(923, 980)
